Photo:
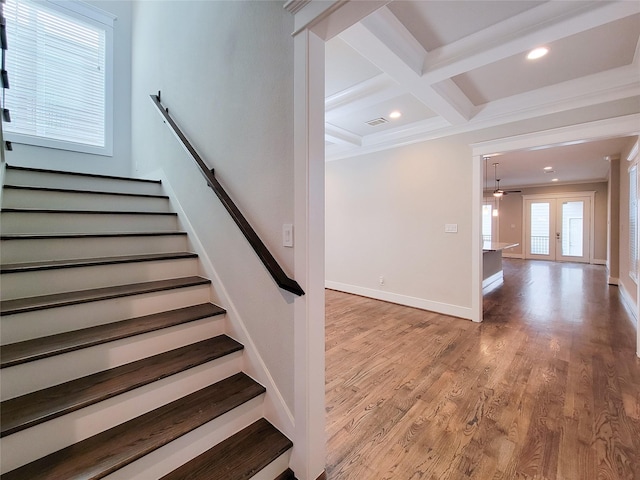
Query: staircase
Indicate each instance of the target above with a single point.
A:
(114, 360)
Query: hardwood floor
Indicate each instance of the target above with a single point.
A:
(547, 387)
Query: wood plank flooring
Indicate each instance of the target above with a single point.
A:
(547, 387)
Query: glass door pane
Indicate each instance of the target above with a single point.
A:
(540, 222)
(572, 244)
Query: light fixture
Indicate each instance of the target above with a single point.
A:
(537, 53)
(395, 114)
(497, 193)
(554, 179)
(548, 168)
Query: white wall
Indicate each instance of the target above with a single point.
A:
(120, 162)
(225, 70)
(386, 214)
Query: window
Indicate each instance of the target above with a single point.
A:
(487, 222)
(59, 62)
(633, 223)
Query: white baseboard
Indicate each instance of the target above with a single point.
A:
(496, 277)
(421, 303)
(598, 261)
(627, 299)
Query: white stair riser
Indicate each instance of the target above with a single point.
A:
(275, 468)
(30, 377)
(44, 282)
(29, 250)
(14, 223)
(13, 198)
(166, 459)
(40, 323)
(32, 443)
(56, 180)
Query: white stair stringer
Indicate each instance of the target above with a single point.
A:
(276, 409)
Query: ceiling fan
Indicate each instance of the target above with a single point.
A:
(498, 192)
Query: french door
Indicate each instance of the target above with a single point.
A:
(558, 228)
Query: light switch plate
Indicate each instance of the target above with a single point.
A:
(451, 228)
(287, 235)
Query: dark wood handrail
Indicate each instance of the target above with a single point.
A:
(250, 234)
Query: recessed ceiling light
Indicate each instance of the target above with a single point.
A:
(554, 179)
(395, 114)
(548, 168)
(537, 53)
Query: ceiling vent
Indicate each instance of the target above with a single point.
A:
(377, 121)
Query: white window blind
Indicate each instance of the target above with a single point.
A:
(633, 223)
(57, 64)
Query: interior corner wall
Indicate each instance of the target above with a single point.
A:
(385, 226)
(225, 70)
(511, 223)
(120, 162)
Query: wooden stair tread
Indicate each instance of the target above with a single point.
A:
(80, 174)
(38, 348)
(38, 407)
(112, 449)
(74, 190)
(50, 236)
(28, 304)
(84, 212)
(87, 262)
(239, 457)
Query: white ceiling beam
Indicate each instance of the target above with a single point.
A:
(395, 36)
(607, 86)
(341, 136)
(540, 25)
(383, 40)
(365, 94)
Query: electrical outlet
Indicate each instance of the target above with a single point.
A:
(381, 280)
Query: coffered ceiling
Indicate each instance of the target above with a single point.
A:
(452, 67)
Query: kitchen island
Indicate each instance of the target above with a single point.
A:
(492, 262)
